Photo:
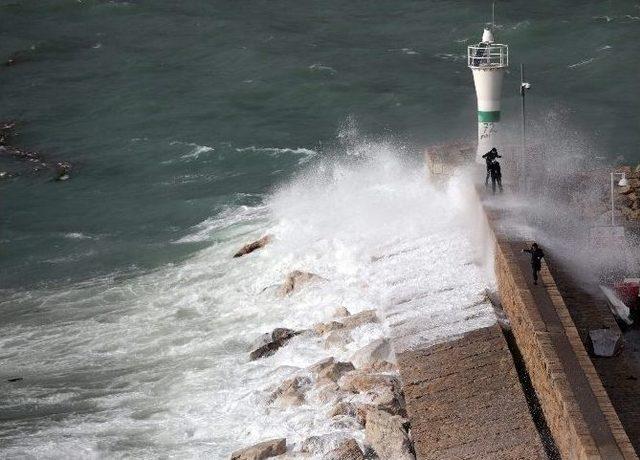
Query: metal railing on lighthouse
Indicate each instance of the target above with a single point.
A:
(487, 56)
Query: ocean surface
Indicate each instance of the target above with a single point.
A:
(195, 127)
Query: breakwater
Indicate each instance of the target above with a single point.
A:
(576, 411)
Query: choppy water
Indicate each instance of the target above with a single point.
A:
(194, 127)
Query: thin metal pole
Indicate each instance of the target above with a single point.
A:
(493, 16)
(523, 154)
(613, 222)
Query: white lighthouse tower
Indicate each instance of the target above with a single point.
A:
(488, 61)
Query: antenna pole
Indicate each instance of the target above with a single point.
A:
(493, 16)
(522, 92)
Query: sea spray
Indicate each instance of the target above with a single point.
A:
(157, 364)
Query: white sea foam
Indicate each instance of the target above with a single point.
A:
(407, 51)
(156, 365)
(305, 154)
(581, 63)
(323, 68)
(195, 151)
(78, 236)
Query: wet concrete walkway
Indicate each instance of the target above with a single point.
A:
(576, 377)
(620, 374)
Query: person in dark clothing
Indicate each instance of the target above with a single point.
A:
(489, 157)
(536, 260)
(496, 176)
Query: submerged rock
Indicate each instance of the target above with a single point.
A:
(249, 248)
(35, 160)
(267, 344)
(260, 451)
(375, 353)
(347, 450)
(387, 435)
(337, 339)
(295, 279)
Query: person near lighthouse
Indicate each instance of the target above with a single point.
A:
(489, 157)
(496, 176)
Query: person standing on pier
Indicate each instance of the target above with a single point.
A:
(489, 157)
(496, 176)
(536, 260)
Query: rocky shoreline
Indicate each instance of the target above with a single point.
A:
(364, 393)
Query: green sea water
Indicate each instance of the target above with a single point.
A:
(123, 89)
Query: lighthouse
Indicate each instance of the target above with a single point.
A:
(488, 61)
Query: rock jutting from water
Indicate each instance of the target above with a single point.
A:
(35, 160)
(250, 247)
(291, 392)
(268, 343)
(295, 279)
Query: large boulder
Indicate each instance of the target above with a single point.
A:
(334, 371)
(375, 353)
(320, 365)
(388, 399)
(294, 280)
(268, 343)
(347, 450)
(383, 366)
(343, 408)
(358, 319)
(379, 391)
(249, 248)
(330, 370)
(387, 435)
(290, 392)
(359, 381)
(328, 392)
(262, 450)
(318, 445)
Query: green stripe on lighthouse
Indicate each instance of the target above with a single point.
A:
(488, 117)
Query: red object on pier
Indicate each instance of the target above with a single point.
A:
(628, 291)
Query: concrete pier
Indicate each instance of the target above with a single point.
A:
(465, 398)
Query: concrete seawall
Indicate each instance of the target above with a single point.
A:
(464, 397)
